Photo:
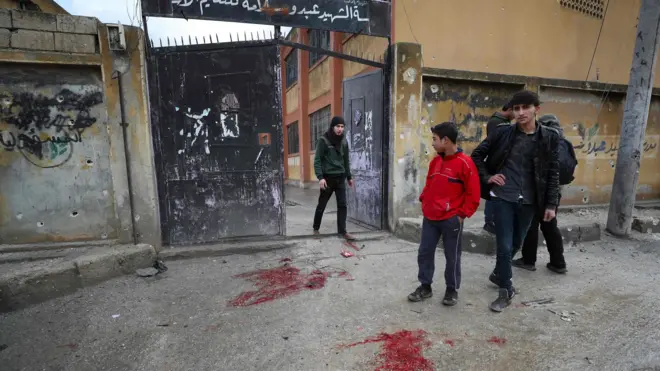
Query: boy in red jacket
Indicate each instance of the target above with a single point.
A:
(450, 195)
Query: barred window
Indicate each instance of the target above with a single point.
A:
(291, 62)
(292, 138)
(319, 39)
(319, 122)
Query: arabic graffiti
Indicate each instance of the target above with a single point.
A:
(590, 143)
(351, 12)
(44, 129)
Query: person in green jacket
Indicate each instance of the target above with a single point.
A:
(332, 168)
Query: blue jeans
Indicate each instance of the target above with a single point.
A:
(512, 220)
(488, 212)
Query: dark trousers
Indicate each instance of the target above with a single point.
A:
(488, 212)
(512, 220)
(451, 231)
(338, 186)
(552, 237)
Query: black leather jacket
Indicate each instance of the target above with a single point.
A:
(490, 155)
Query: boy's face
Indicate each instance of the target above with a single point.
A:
(525, 113)
(339, 129)
(439, 144)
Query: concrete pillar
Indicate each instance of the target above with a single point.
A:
(336, 74)
(283, 55)
(303, 107)
(406, 128)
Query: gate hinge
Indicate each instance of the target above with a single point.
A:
(123, 124)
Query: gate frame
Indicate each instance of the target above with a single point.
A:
(386, 66)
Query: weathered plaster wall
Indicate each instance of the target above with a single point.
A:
(593, 125)
(63, 173)
(46, 6)
(319, 79)
(406, 133)
(55, 175)
(521, 37)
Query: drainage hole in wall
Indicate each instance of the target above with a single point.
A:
(40, 224)
(19, 216)
(74, 214)
(104, 236)
(89, 162)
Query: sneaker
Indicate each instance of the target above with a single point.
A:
(503, 300)
(348, 237)
(556, 269)
(490, 228)
(451, 298)
(421, 293)
(519, 263)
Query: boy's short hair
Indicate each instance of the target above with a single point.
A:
(525, 97)
(447, 130)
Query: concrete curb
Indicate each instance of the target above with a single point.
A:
(32, 284)
(481, 242)
(253, 247)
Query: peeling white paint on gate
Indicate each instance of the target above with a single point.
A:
(199, 128)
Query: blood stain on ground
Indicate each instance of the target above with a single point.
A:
(497, 340)
(449, 342)
(72, 346)
(400, 351)
(277, 283)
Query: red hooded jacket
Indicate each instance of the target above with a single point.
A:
(452, 188)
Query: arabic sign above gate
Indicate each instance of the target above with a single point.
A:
(369, 17)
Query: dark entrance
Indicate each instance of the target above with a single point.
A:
(216, 120)
(364, 113)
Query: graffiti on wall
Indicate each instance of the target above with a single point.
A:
(44, 129)
(590, 143)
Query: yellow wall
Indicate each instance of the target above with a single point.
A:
(520, 37)
(310, 171)
(365, 47)
(294, 167)
(592, 127)
(594, 131)
(292, 98)
(319, 79)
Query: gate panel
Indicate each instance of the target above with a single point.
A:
(363, 113)
(216, 115)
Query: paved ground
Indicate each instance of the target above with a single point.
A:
(301, 205)
(183, 319)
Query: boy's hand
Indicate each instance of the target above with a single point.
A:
(323, 184)
(497, 179)
(351, 183)
(460, 220)
(549, 215)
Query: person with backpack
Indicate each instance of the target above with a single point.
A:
(550, 230)
(498, 118)
(333, 170)
(519, 170)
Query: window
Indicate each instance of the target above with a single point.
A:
(319, 122)
(319, 39)
(592, 8)
(291, 62)
(292, 137)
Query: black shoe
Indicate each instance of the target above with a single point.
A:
(490, 228)
(557, 269)
(451, 298)
(503, 300)
(519, 263)
(421, 293)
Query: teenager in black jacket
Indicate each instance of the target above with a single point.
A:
(519, 171)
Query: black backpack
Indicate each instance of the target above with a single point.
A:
(567, 162)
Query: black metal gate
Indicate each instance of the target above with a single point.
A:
(365, 125)
(216, 120)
